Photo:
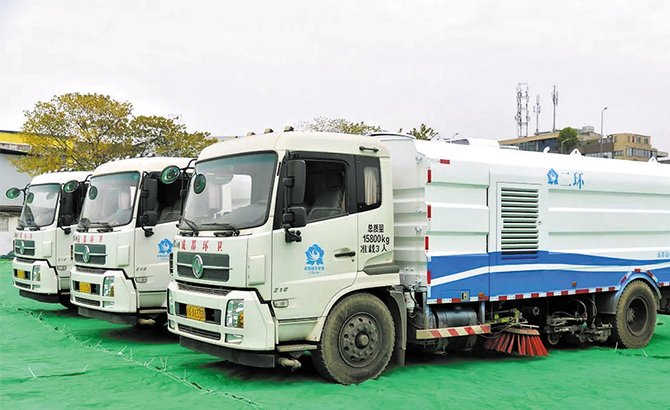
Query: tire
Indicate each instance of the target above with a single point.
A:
(357, 340)
(635, 317)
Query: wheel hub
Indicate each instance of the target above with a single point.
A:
(359, 340)
(636, 316)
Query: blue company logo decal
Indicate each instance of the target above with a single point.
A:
(572, 179)
(314, 256)
(164, 249)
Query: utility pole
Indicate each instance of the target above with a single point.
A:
(536, 110)
(601, 131)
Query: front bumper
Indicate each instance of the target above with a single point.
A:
(86, 291)
(211, 335)
(37, 280)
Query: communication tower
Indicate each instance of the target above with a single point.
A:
(522, 116)
(554, 99)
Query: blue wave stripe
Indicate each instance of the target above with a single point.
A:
(547, 271)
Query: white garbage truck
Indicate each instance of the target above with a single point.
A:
(123, 242)
(43, 236)
(353, 249)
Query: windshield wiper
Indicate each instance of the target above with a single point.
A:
(83, 225)
(191, 224)
(106, 227)
(232, 231)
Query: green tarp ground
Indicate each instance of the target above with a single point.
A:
(50, 358)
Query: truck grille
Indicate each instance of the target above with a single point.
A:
(215, 267)
(202, 289)
(199, 332)
(22, 285)
(95, 271)
(95, 253)
(87, 301)
(24, 247)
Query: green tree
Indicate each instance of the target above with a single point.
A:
(423, 133)
(165, 137)
(82, 131)
(567, 140)
(324, 124)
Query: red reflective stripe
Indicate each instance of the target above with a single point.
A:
(426, 242)
(534, 295)
(445, 161)
(430, 175)
(470, 331)
(428, 279)
(429, 211)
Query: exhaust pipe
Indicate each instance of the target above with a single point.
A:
(294, 364)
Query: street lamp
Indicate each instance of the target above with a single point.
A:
(601, 131)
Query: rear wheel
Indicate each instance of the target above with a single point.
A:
(635, 318)
(357, 340)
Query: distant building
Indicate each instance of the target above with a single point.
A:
(11, 147)
(632, 147)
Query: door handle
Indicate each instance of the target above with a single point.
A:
(338, 255)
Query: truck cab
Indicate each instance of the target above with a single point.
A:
(124, 240)
(43, 237)
(272, 237)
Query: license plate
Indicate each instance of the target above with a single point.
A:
(195, 313)
(21, 274)
(84, 287)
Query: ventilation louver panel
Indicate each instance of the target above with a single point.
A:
(519, 208)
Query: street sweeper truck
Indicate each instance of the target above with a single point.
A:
(43, 236)
(354, 249)
(124, 240)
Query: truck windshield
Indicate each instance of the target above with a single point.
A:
(231, 193)
(110, 200)
(39, 208)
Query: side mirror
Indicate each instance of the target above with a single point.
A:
(71, 186)
(148, 218)
(149, 194)
(12, 193)
(295, 217)
(295, 181)
(170, 174)
(65, 221)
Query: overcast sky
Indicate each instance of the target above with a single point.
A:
(229, 67)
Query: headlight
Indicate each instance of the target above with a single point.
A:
(35, 274)
(170, 301)
(108, 286)
(235, 313)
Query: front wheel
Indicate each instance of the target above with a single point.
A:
(357, 340)
(635, 317)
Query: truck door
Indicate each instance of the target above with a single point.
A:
(307, 273)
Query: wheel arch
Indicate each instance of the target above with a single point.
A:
(607, 303)
(395, 302)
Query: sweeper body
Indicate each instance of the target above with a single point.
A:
(356, 249)
(124, 240)
(43, 236)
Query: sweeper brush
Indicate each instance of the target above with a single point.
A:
(525, 342)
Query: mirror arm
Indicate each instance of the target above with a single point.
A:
(292, 236)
